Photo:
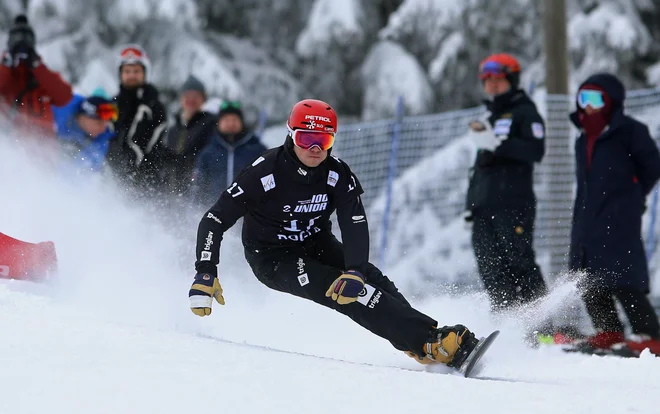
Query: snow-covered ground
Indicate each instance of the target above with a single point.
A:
(113, 333)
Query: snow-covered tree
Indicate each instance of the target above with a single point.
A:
(611, 36)
(450, 39)
(270, 53)
(389, 72)
(331, 47)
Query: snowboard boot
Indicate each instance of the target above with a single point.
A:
(422, 360)
(450, 345)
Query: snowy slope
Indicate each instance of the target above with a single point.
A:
(113, 333)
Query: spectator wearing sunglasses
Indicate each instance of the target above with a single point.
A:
(230, 149)
(84, 126)
(136, 155)
(27, 86)
(190, 131)
(617, 165)
(501, 204)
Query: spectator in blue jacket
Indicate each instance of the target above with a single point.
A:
(84, 128)
(230, 149)
(617, 166)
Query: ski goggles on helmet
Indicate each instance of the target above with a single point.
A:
(131, 55)
(492, 69)
(590, 97)
(107, 112)
(306, 139)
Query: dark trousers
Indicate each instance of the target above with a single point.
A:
(601, 308)
(308, 271)
(502, 242)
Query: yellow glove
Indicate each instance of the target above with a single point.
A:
(201, 294)
(346, 288)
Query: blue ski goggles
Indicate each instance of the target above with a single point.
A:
(491, 69)
(590, 97)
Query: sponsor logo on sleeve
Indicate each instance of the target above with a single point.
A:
(374, 300)
(303, 279)
(537, 130)
(214, 218)
(366, 295)
(209, 241)
(206, 256)
(268, 182)
(358, 219)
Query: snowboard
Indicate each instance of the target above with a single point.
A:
(477, 353)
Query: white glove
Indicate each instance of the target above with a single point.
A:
(483, 136)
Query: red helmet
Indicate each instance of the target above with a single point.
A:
(500, 65)
(312, 114)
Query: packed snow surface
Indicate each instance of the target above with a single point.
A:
(112, 333)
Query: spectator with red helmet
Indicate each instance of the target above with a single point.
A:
(27, 86)
(617, 166)
(230, 149)
(136, 155)
(501, 204)
(286, 197)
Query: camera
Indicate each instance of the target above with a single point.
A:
(21, 36)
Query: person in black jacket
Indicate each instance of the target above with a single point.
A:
(286, 197)
(501, 202)
(136, 155)
(617, 165)
(190, 132)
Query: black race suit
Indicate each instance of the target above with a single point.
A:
(290, 246)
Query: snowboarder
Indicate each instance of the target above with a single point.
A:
(286, 197)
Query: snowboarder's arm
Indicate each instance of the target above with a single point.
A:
(353, 224)
(232, 205)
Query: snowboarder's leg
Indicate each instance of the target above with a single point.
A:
(327, 249)
(376, 310)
